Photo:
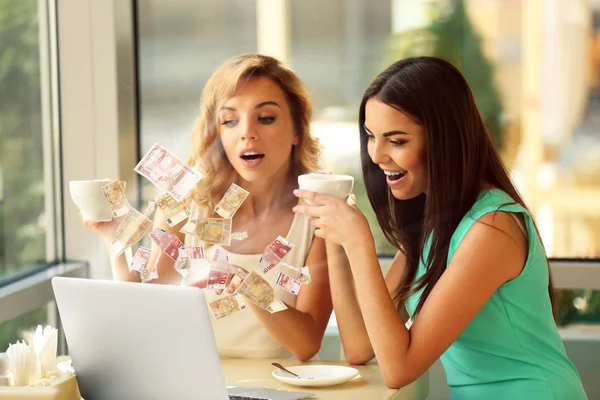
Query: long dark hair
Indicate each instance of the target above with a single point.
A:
(460, 156)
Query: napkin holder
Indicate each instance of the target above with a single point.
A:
(66, 389)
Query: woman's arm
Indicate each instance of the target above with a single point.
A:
(165, 266)
(353, 333)
(119, 266)
(301, 329)
(491, 253)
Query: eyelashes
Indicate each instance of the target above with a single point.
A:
(263, 120)
(395, 143)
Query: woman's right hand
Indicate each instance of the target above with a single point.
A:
(104, 229)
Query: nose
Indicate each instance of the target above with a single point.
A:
(249, 131)
(378, 153)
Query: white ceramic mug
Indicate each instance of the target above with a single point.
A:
(333, 185)
(90, 200)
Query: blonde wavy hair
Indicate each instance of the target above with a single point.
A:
(208, 153)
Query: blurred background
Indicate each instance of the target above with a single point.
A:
(86, 87)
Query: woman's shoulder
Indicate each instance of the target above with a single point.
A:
(493, 200)
(491, 208)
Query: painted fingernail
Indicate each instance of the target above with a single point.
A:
(295, 208)
(296, 191)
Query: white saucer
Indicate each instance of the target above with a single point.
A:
(323, 375)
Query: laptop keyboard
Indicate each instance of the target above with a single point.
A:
(235, 397)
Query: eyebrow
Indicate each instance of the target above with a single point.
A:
(387, 134)
(259, 105)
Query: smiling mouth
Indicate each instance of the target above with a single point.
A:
(394, 176)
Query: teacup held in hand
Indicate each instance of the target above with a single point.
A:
(90, 200)
(333, 185)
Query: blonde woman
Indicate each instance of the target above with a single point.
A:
(254, 130)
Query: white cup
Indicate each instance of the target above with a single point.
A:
(333, 185)
(90, 200)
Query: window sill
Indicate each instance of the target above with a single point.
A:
(580, 332)
(35, 290)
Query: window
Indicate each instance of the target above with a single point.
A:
(29, 250)
(535, 74)
(23, 213)
(23, 327)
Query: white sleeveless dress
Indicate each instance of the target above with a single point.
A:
(241, 335)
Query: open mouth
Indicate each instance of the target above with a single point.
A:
(252, 156)
(394, 176)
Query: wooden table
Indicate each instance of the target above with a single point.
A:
(367, 385)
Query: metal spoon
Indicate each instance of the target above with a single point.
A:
(277, 365)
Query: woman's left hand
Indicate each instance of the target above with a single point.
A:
(337, 221)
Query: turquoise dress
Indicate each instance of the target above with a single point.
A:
(511, 350)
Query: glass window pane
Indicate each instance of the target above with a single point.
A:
(578, 307)
(23, 327)
(22, 217)
(536, 80)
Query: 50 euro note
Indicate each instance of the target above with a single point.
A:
(167, 172)
(233, 199)
(227, 305)
(218, 273)
(273, 254)
(173, 211)
(167, 242)
(210, 230)
(213, 230)
(131, 230)
(116, 199)
(256, 289)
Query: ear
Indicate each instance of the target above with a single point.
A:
(296, 140)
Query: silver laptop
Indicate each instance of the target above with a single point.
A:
(132, 341)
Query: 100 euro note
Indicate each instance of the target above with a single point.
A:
(167, 172)
(227, 305)
(131, 230)
(274, 253)
(219, 270)
(167, 242)
(256, 289)
(116, 199)
(233, 199)
(173, 211)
